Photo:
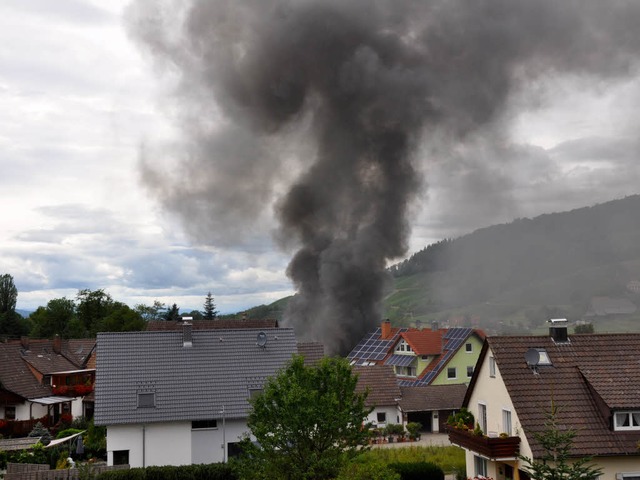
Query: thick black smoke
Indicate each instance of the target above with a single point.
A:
(318, 108)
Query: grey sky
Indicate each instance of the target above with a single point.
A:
(81, 101)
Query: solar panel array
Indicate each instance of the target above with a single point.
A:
(454, 338)
(372, 348)
(400, 360)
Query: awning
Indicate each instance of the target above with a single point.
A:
(400, 360)
(58, 441)
(50, 400)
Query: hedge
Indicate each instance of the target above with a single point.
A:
(213, 471)
(418, 471)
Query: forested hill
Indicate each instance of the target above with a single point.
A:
(595, 250)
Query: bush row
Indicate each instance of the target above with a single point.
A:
(213, 471)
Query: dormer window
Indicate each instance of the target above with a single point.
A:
(627, 420)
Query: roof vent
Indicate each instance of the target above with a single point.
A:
(558, 330)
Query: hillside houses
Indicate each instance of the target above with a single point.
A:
(593, 380)
(430, 356)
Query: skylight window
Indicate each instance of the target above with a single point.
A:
(146, 400)
(543, 357)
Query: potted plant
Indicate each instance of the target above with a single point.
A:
(413, 428)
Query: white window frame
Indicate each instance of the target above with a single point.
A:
(468, 347)
(469, 371)
(492, 367)
(632, 415)
(455, 373)
(480, 466)
(507, 421)
(382, 415)
(627, 475)
(482, 416)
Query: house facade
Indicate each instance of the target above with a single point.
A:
(383, 394)
(43, 380)
(420, 357)
(431, 405)
(181, 397)
(592, 380)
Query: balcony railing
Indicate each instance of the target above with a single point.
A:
(490, 447)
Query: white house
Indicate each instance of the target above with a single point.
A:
(593, 380)
(182, 397)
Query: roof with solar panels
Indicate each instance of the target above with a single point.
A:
(404, 347)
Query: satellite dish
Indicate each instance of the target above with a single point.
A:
(262, 339)
(532, 357)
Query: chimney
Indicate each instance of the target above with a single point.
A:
(386, 329)
(24, 341)
(558, 330)
(57, 344)
(434, 326)
(187, 338)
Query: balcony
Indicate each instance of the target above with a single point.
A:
(493, 448)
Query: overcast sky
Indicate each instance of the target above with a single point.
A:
(80, 100)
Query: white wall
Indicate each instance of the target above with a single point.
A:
(172, 443)
(394, 415)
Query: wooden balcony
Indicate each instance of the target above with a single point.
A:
(490, 447)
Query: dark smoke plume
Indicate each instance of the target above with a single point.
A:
(317, 108)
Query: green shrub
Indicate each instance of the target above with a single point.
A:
(67, 432)
(413, 428)
(418, 471)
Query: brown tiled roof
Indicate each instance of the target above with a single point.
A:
(425, 342)
(311, 351)
(590, 377)
(161, 325)
(44, 359)
(15, 375)
(381, 383)
(432, 397)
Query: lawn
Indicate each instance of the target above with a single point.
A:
(450, 459)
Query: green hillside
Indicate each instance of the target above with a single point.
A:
(511, 278)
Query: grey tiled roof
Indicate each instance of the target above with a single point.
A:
(190, 383)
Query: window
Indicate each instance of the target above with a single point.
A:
(492, 367)
(506, 422)
(382, 417)
(9, 413)
(452, 373)
(470, 371)
(468, 348)
(120, 457)
(628, 476)
(146, 400)
(254, 392)
(202, 424)
(627, 420)
(411, 371)
(480, 465)
(482, 416)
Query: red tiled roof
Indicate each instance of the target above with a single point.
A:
(425, 342)
(591, 376)
(381, 382)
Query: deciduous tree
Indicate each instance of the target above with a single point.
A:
(309, 421)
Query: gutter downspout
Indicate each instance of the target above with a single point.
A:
(144, 432)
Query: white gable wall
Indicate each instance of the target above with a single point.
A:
(393, 415)
(492, 392)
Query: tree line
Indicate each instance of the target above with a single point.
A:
(90, 312)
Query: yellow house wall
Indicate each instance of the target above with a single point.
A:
(461, 360)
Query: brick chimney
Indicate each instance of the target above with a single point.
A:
(57, 344)
(386, 329)
(24, 341)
